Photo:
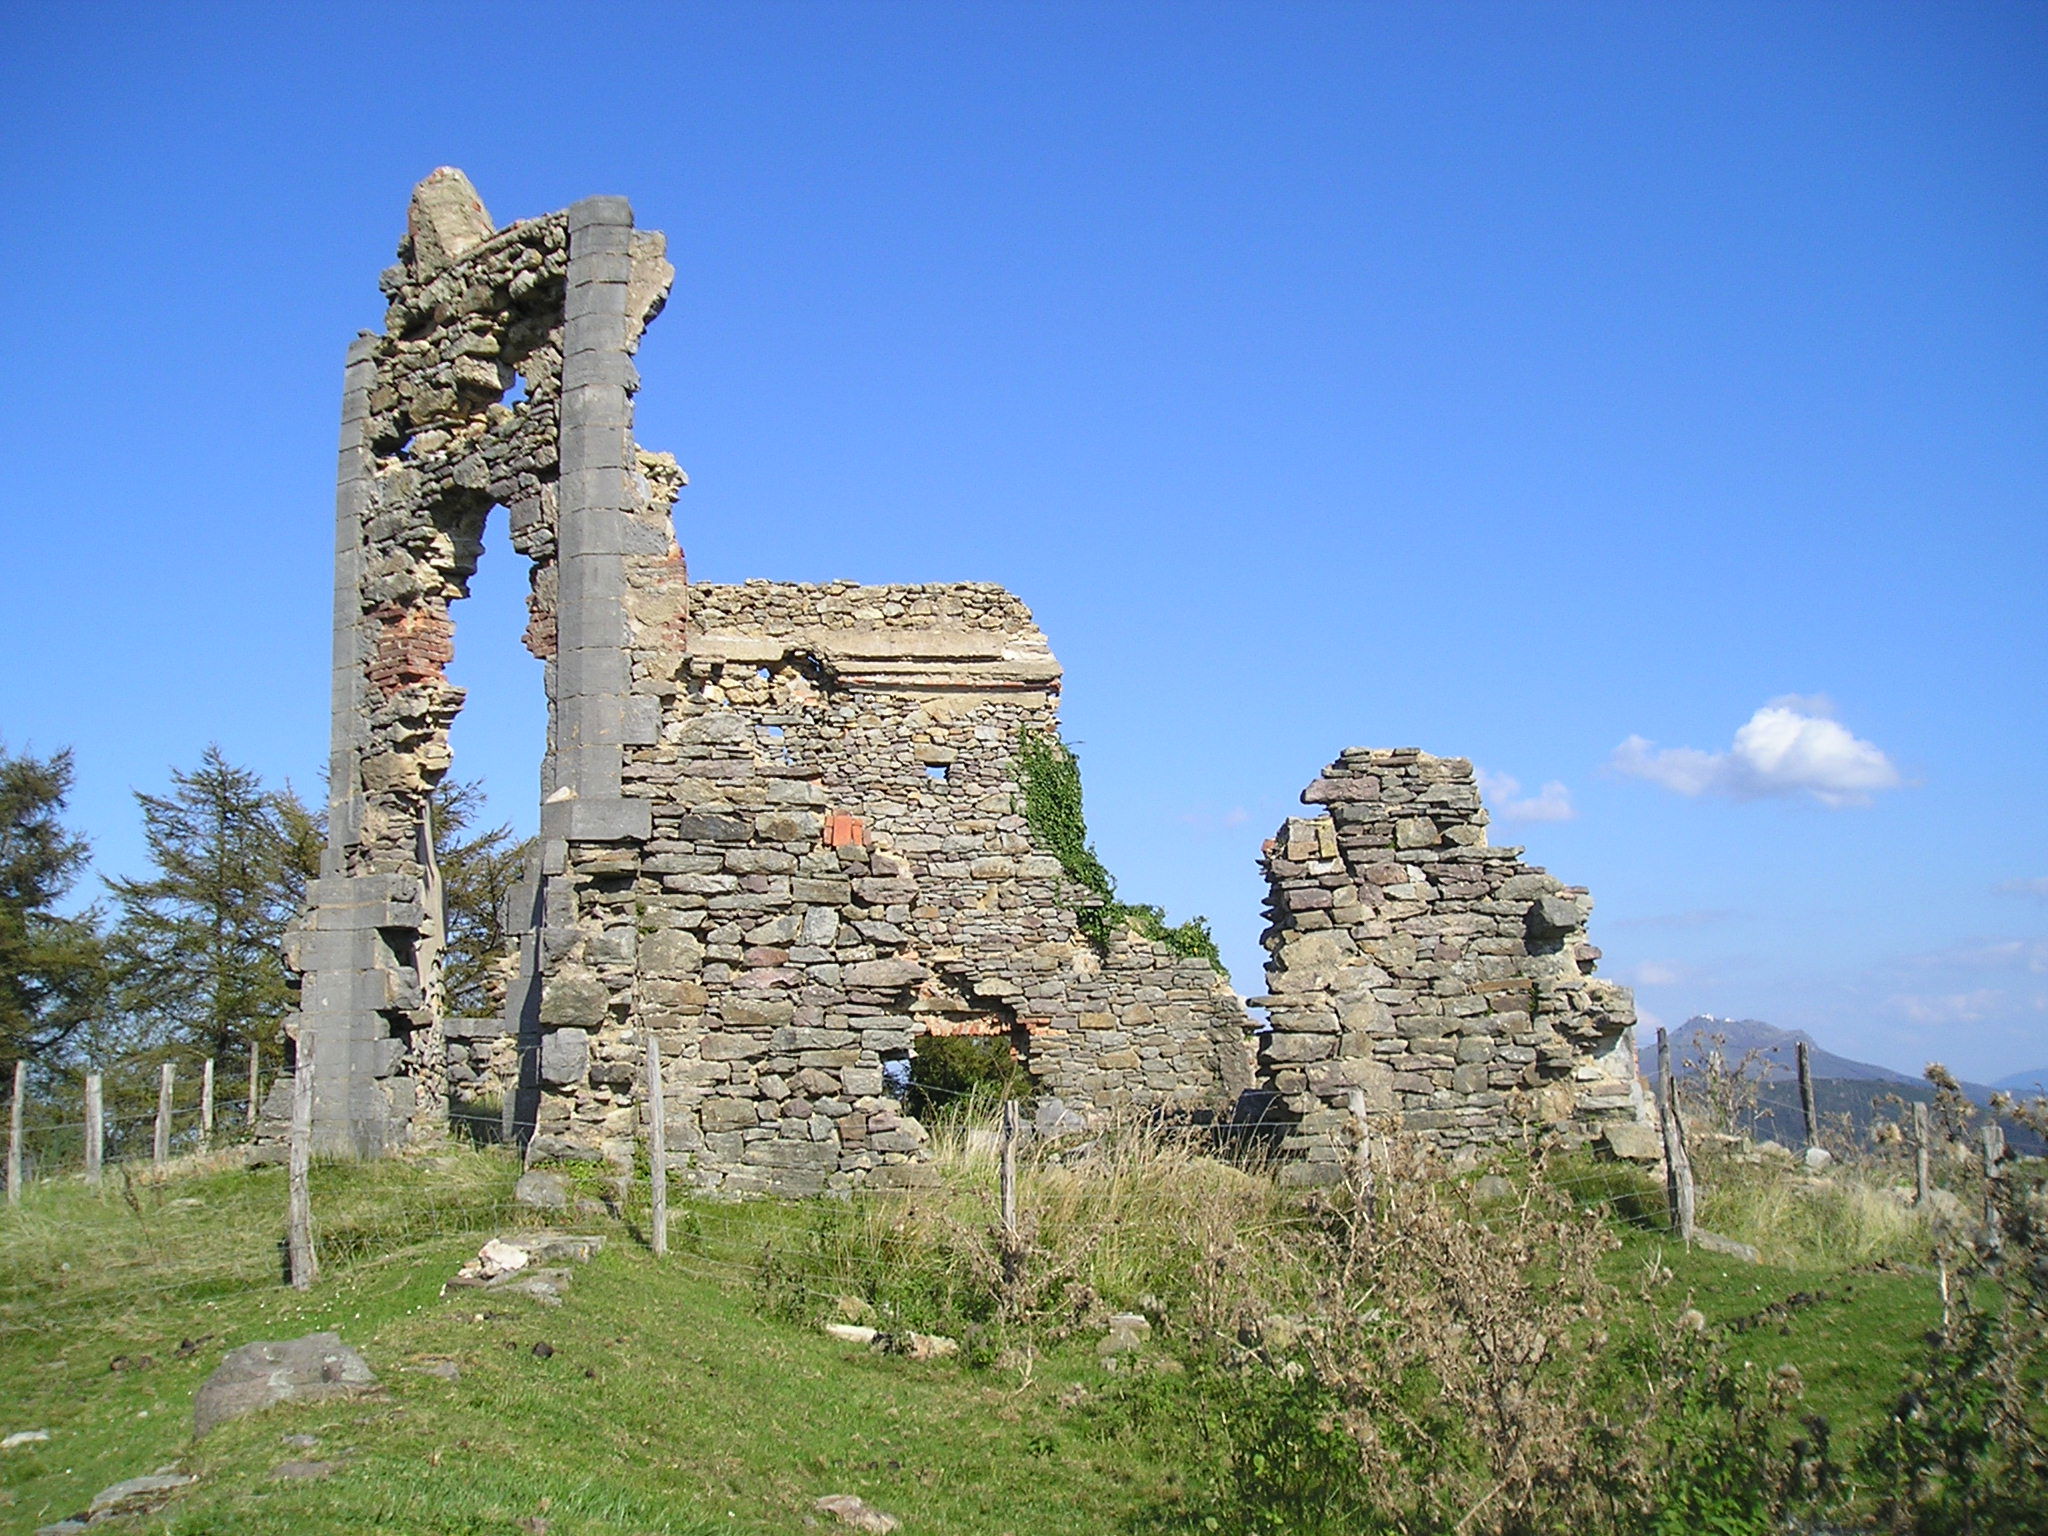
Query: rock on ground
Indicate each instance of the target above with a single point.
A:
(542, 1191)
(1714, 1242)
(307, 1370)
(503, 1256)
(853, 1511)
(917, 1346)
(136, 1495)
(1127, 1331)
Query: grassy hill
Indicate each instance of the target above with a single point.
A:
(696, 1393)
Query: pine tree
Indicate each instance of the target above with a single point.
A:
(52, 967)
(479, 875)
(196, 949)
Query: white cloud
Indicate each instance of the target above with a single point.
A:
(1792, 746)
(2037, 886)
(1952, 1008)
(1553, 802)
(1656, 973)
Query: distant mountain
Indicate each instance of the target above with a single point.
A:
(2028, 1083)
(1778, 1051)
(1841, 1085)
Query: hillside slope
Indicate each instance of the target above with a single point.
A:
(658, 1397)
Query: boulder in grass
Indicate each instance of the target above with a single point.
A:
(313, 1369)
(851, 1510)
(136, 1495)
(541, 1190)
(1128, 1331)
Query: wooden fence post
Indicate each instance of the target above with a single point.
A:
(160, 1149)
(1920, 1181)
(657, 1143)
(255, 1078)
(1678, 1190)
(1807, 1107)
(1994, 1154)
(206, 1102)
(95, 1127)
(1013, 1247)
(1361, 1128)
(305, 1264)
(14, 1134)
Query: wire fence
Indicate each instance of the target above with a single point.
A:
(153, 1244)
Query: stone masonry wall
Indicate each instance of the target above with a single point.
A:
(839, 864)
(1445, 982)
(503, 378)
(781, 828)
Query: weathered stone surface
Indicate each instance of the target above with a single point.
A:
(1128, 1331)
(314, 1368)
(542, 1190)
(1633, 1140)
(1442, 982)
(564, 1056)
(1714, 1242)
(851, 1511)
(136, 1495)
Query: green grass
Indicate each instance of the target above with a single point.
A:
(681, 1396)
(1851, 1333)
(669, 1404)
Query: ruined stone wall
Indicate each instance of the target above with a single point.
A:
(503, 378)
(781, 827)
(1446, 982)
(840, 863)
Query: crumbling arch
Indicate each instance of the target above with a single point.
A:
(430, 444)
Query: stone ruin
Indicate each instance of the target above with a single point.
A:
(1424, 979)
(781, 825)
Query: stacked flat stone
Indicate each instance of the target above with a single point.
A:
(698, 739)
(430, 442)
(782, 970)
(1441, 983)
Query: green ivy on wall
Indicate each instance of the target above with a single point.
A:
(1051, 777)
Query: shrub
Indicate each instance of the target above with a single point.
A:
(1050, 774)
(962, 1074)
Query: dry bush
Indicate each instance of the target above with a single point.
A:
(1965, 1447)
(1840, 1220)
(1133, 1214)
(1464, 1367)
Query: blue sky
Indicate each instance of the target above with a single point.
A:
(1646, 401)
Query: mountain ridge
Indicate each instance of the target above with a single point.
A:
(1777, 1051)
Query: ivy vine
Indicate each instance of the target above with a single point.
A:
(1050, 774)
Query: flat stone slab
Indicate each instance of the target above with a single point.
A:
(1714, 1242)
(520, 1253)
(312, 1369)
(852, 1510)
(137, 1494)
(1127, 1331)
(542, 1190)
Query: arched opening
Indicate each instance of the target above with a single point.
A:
(485, 816)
